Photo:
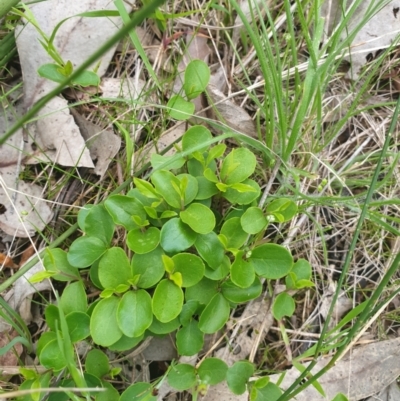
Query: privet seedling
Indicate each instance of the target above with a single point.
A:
(194, 249)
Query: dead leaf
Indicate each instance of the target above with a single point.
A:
(390, 393)
(6, 261)
(25, 210)
(103, 144)
(365, 371)
(11, 357)
(378, 33)
(234, 116)
(160, 349)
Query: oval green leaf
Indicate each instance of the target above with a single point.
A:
(78, 326)
(122, 208)
(167, 185)
(134, 314)
(138, 392)
(51, 356)
(202, 292)
(199, 218)
(234, 233)
(210, 249)
(238, 375)
(197, 76)
(242, 271)
(96, 363)
(196, 136)
(253, 220)
(189, 339)
(149, 267)
(190, 186)
(56, 260)
(212, 371)
(237, 166)
(99, 223)
(190, 266)
(284, 305)
(238, 295)
(103, 322)
(179, 108)
(167, 301)
(114, 268)
(73, 298)
(142, 240)
(214, 315)
(182, 376)
(84, 251)
(176, 236)
(243, 198)
(271, 261)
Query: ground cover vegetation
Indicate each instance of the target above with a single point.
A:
(247, 218)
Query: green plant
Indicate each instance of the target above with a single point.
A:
(195, 233)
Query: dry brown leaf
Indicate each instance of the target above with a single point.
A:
(390, 393)
(6, 261)
(160, 349)
(11, 357)
(25, 210)
(365, 371)
(103, 144)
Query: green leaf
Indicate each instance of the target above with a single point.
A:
(191, 186)
(52, 315)
(138, 392)
(73, 298)
(78, 326)
(302, 269)
(55, 261)
(214, 315)
(189, 339)
(96, 363)
(165, 183)
(220, 272)
(190, 266)
(103, 322)
(145, 188)
(215, 152)
(149, 267)
(199, 218)
(196, 136)
(243, 198)
(206, 188)
(84, 251)
(51, 356)
(125, 343)
(197, 76)
(210, 249)
(239, 295)
(114, 268)
(188, 310)
(134, 314)
(179, 108)
(164, 328)
(242, 271)
(99, 223)
(271, 261)
(212, 371)
(202, 292)
(122, 208)
(87, 78)
(285, 207)
(173, 162)
(253, 220)
(340, 397)
(176, 236)
(284, 305)
(167, 301)
(238, 375)
(51, 72)
(269, 391)
(82, 215)
(143, 240)
(237, 166)
(234, 233)
(182, 376)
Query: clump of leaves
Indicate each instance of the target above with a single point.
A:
(195, 234)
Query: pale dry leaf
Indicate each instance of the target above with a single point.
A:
(125, 88)
(229, 113)
(221, 392)
(25, 210)
(58, 137)
(365, 371)
(378, 33)
(390, 393)
(19, 296)
(103, 144)
(11, 357)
